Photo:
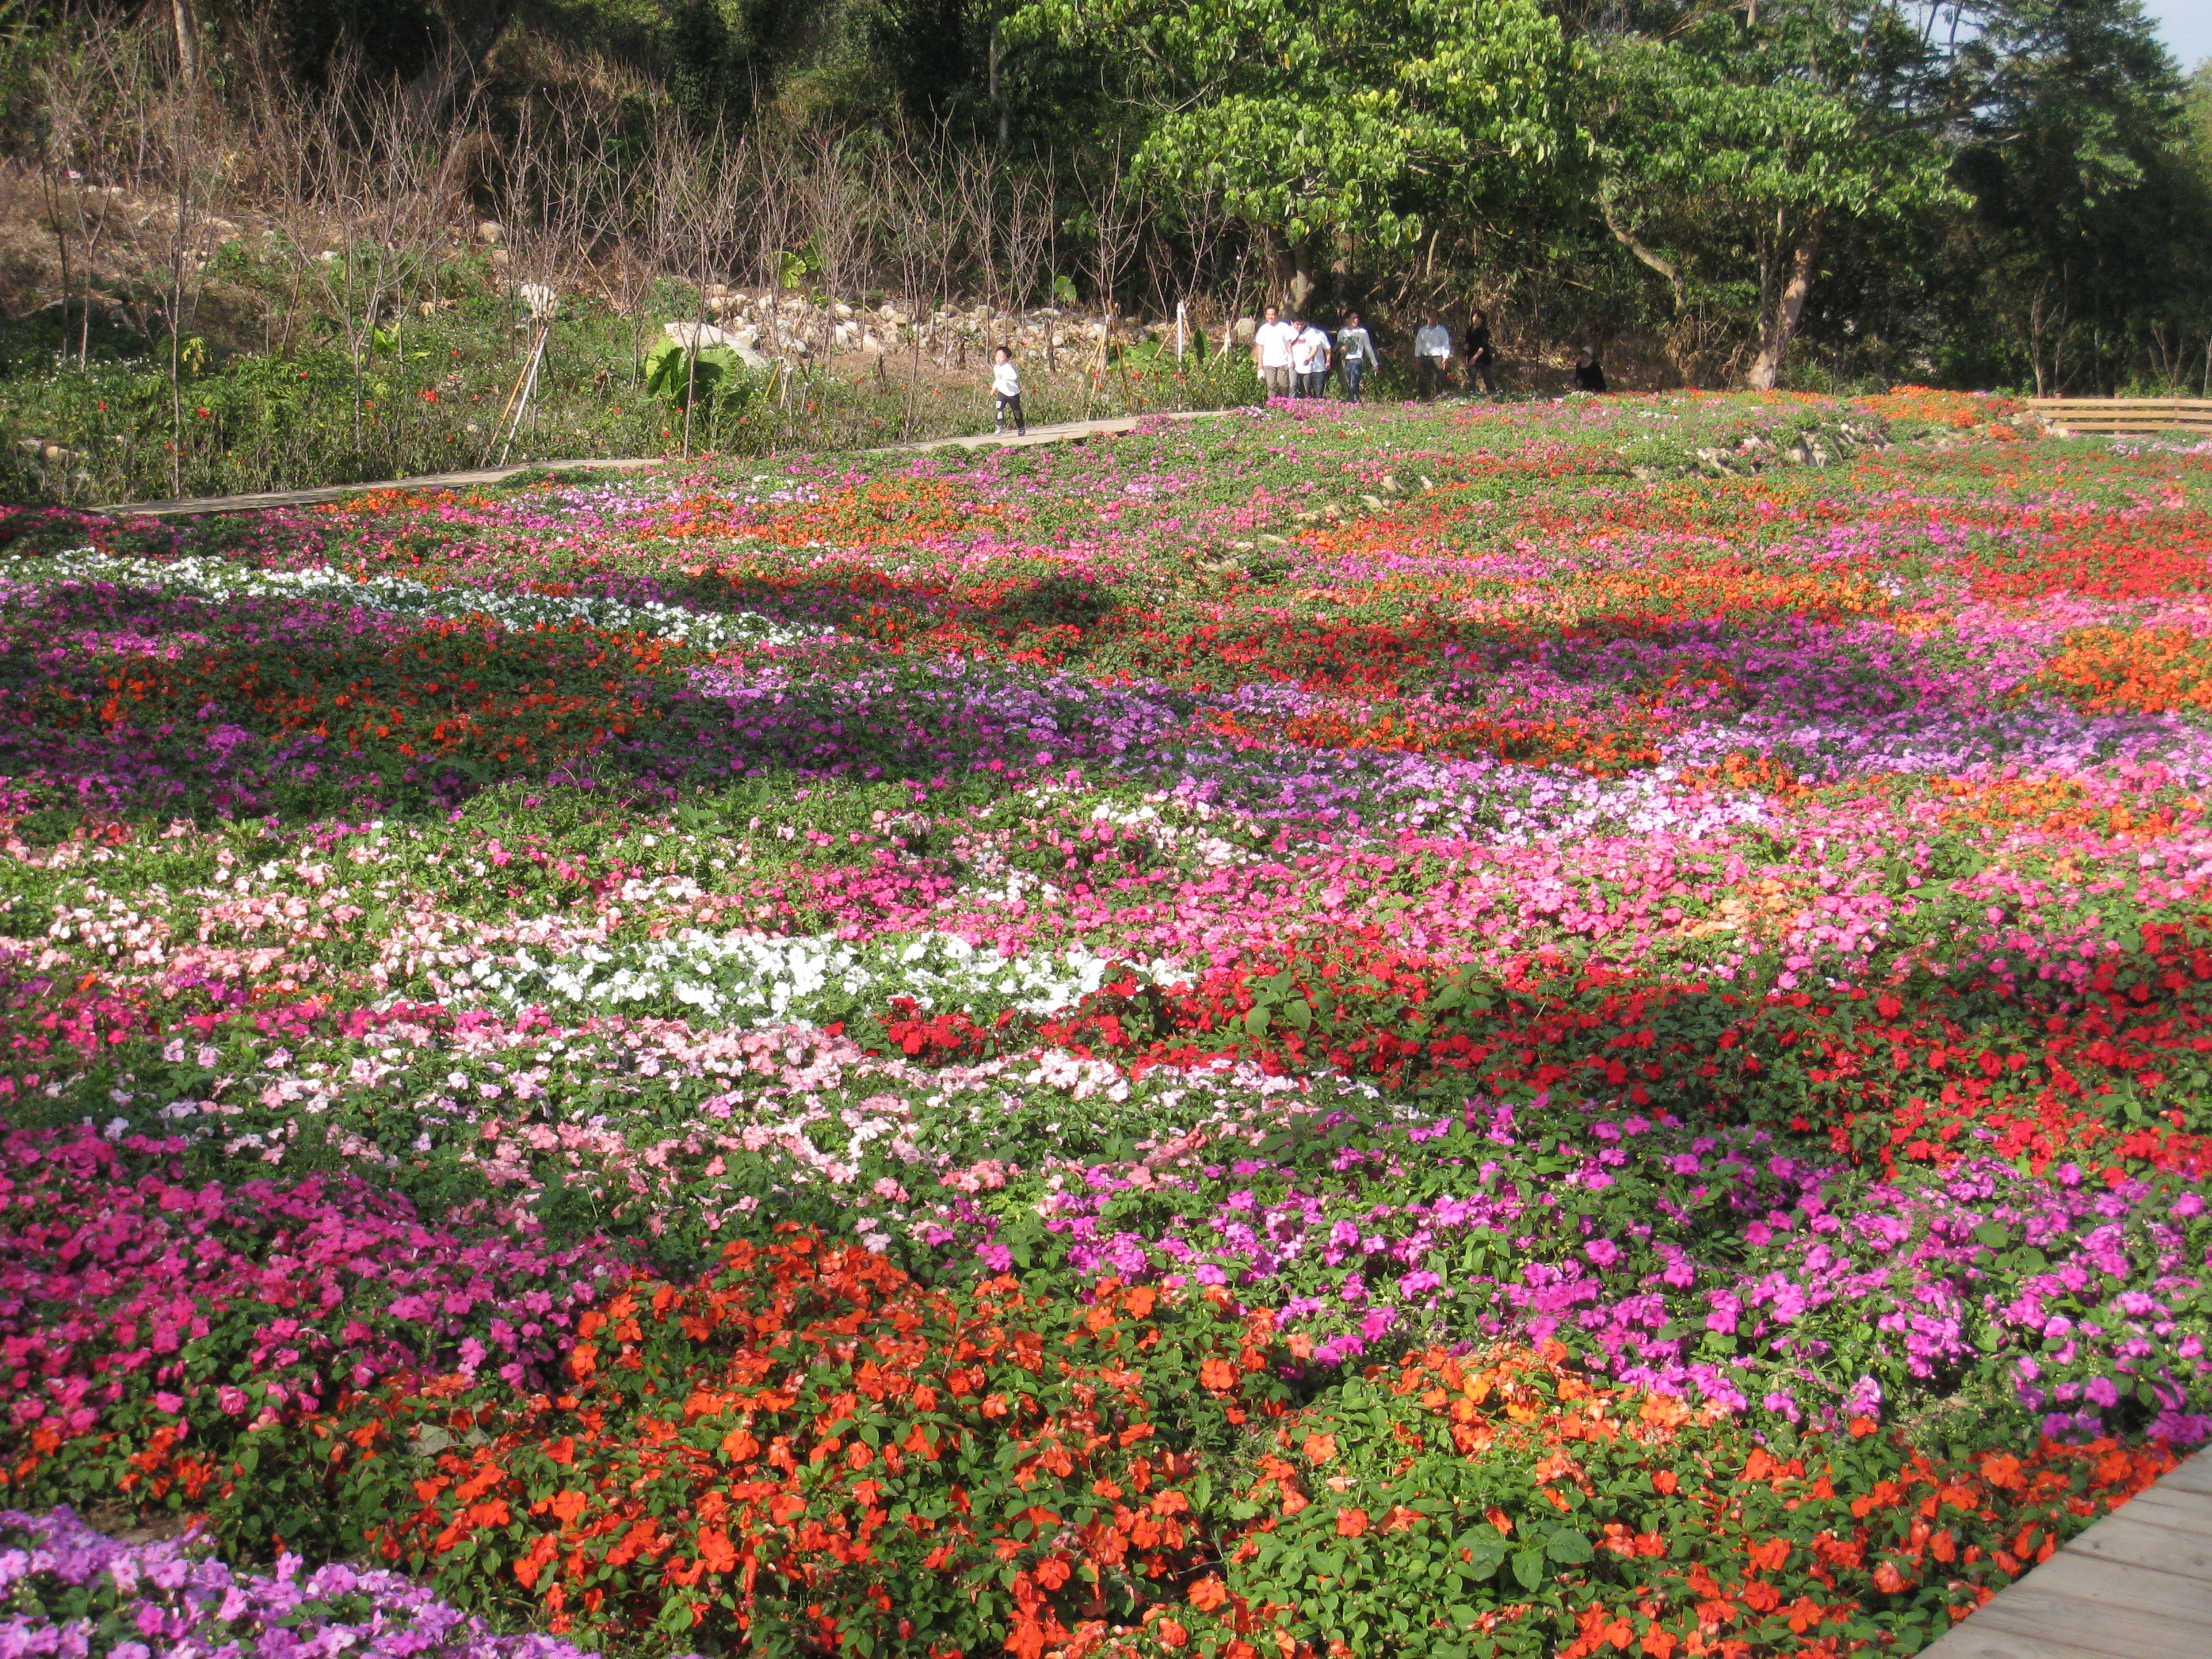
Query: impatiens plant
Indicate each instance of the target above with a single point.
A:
(1497, 1504)
(70, 1591)
(154, 1325)
(810, 1450)
(1524, 1029)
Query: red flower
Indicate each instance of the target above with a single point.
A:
(1350, 1523)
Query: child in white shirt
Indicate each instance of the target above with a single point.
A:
(1006, 386)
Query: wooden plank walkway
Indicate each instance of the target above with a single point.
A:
(2137, 1585)
(1064, 432)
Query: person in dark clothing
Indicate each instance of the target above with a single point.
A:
(1479, 354)
(1589, 374)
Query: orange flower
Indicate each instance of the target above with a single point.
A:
(1172, 1634)
(716, 1551)
(1319, 1448)
(1769, 1556)
(2002, 1471)
(1350, 1523)
(1208, 1593)
(1217, 1375)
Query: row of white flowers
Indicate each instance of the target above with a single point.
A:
(212, 579)
(760, 976)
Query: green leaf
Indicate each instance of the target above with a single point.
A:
(1566, 1546)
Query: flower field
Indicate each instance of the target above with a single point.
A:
(1544, 1030)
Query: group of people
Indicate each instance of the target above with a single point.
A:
(1294, 356)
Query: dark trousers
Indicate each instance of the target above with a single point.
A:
(1010, 406)
(1355, 371)
(1430, 376)
(1479, 368)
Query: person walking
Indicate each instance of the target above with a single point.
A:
(1589, 374)
(1310, 360)
(1271, 352)
(1480, 354)
(1355, 355)
(1006, 388)
(1431, 357)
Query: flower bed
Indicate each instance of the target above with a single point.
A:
(1549, 1028)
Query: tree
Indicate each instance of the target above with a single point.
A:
(1728, 153)
(1321, 121)
(2091, 214)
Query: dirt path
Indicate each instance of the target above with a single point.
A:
(1066, 431)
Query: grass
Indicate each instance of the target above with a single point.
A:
(430, 388)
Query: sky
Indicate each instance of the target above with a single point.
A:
(2185, 26)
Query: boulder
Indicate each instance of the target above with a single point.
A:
(1244, 329)
(490, 234)
(694, 336)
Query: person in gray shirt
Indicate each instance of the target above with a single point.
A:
(1355, 355)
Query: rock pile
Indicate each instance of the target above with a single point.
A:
(763, 326)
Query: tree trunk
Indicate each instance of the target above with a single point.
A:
(1781, 327)
(1292, 272)
(1646, 256)
(188, 46)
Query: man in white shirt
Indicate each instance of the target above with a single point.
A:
(1271, 352)
(1431, 357)
(1310, 361)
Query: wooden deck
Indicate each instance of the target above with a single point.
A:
(2080, 416)
(2137, 1585)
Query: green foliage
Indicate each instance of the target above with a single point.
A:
(685, 379)
(1725, 155)
(1327, 119)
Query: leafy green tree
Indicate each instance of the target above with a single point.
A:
(1728, 154)
(1320, 121)
(2092, 219)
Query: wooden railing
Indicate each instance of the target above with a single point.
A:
(2126, 414)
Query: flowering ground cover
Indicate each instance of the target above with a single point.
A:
(1521, 1030)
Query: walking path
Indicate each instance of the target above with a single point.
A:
(2137, 1585)
(1064, 432)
